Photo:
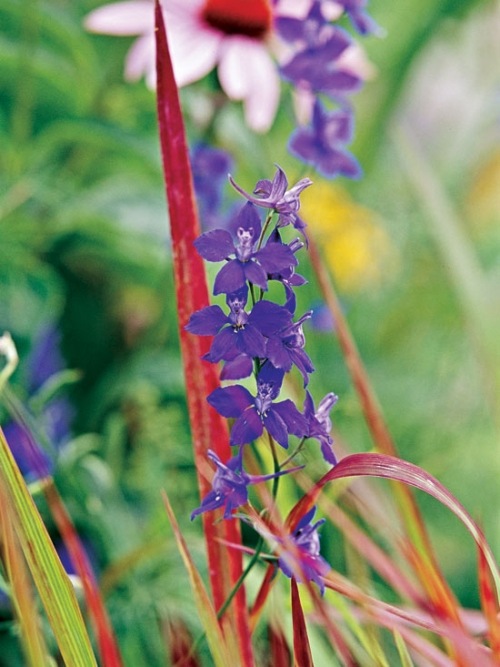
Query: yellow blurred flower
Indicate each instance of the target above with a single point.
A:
(483, 199)
(356, 247)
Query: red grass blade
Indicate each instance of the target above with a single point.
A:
(108, 647)
(209, 430)
(301, 647)
(280, 654)
(490, 606)
(390, 467)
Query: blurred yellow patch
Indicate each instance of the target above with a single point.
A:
(483, 200)
(357, 249)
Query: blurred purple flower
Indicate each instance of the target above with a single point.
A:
(320, 424)
(230, 485)
(308, 561)
(360, 19)
(322, 143)
(254, 413)
(316, 66)
(322, 319)
(210, 167)
(249, 264)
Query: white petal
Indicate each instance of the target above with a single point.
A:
(247, 72)
(193, 47)
(122, 18)
(141, 59)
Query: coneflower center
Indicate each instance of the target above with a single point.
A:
(251, 18)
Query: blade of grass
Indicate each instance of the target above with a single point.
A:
(302, 656)
(209, 430)
(216, 641)
(33, 643)
(52, 582)
(375, 421)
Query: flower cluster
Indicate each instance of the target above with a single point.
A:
(255, 337)
(253, 44)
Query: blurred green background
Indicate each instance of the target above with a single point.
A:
(413, 247)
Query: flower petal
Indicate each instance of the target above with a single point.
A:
(215, 245)
(255, 274)
(294, 420)
(231, 277)
(269, 317)
(207, 321)
(276, 427)
(247, 428)
(238, 368)
(230, 401)
(122, 18)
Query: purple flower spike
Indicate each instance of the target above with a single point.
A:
(320, 424)
(249, 264)
(274, 195)
(308, 560)
(254, 413)
(239, 336)
(286, 349)
(230, 485)
(322, 144)
(288, 277)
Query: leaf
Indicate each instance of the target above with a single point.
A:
(301, 648)
(390, 467)
(215, 638)
(208, 428)
(52, 582)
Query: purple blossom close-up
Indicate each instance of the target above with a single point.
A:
(210, 167)
(230, 485)
(307, 562)
(250, 263)
(275, 195)
(286, 349)
(254, 413)
(320, 424)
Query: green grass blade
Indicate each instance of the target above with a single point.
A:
(51, 580)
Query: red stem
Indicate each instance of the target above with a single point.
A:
(209, 429)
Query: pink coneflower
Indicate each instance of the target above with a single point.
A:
(203, 34)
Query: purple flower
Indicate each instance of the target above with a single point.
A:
(254, 413)
(322, 144)
(250, 263)
(286, 348)
(210, 167)
(239, 336)
(230, 485)
(307, 562)
(360, 19)
(288, 277)
(320, 424)
(274, 195)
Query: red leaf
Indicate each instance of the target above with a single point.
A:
(208, 429)
(301, 647)
(490, 605)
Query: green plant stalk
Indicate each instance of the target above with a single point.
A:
(52, 582)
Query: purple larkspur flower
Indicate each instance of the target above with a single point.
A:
(287, 277)
(230, 485)
(250, 263)
(286, 349)
(210, 167)
(359, 17)
(307, 561)
(274, 195)
(315, 65)
(239, 336)
(322, 143)
(254, 413)
(320, 424)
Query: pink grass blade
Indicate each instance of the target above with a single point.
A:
(108, 647)
(209, 430)
(392, 468)
(33, 643)
(376, 423)
(490, 606)
(301, 646)
(219, 648)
